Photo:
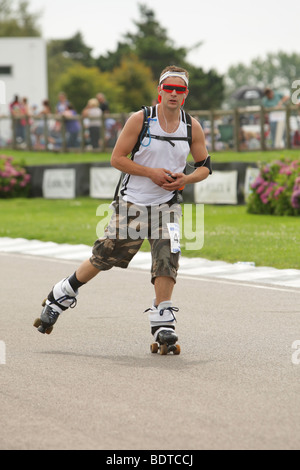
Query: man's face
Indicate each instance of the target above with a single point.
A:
(172, 97)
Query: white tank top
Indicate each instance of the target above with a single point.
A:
(156, 153)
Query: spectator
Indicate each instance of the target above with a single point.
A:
(55, 137)
(17, 111)
(274, 99)
(39, 128)
(62, 104)
(296, 139)
(103, 103)
(92, 113)
(72, 126)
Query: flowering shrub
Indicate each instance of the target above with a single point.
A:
(277, 189)
(14, 181)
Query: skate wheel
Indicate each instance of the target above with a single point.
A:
(163, 349)
(154, 348)
(176, 350)
(44, 302)
(49, 330)
(37, 322)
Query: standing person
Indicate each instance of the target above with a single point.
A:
(153, 176)
(62, 104)
(72, 126)
(18, 113)
(39, 129)
(103, 103)
(93, 113)
(274, 99)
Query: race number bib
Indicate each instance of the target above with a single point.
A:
(174, 232)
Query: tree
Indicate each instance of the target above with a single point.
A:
(81, 83)
(18, 22)
(207, 89)
(73, 48)
(277, 70)
(152, 47)
(135, 81)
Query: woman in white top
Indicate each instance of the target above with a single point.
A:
(93, 114)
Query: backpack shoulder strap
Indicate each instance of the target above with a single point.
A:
(149, 111)
(186, 117)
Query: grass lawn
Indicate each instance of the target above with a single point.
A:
(230, 233)
(43, 158)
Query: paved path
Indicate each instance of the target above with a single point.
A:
(93, 383)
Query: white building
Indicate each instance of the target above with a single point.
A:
(23, 72)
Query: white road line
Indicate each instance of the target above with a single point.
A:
(194, 268)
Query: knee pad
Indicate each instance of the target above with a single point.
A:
(62, 296)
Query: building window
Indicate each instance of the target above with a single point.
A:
(5, 70)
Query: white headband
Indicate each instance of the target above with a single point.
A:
(174, 74)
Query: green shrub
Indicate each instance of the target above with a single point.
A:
(14, 181)
(276, 190)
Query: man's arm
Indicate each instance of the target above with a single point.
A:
(124, 146)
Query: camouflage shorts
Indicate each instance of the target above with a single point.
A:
(129, 226)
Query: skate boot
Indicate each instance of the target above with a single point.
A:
(60, 298)
(162, 322)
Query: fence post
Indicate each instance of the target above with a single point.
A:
(102, 132)
(14, 138)
(262, 128)
(236, 134)
(63, 133)
(288, 127)
(28, 133)
(82, 133)
(46, 132)
(212, 130)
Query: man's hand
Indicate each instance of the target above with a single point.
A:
(161, 176)
(175, 182)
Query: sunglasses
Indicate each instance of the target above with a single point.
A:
(178, 88)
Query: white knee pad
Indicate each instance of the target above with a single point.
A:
(62, 296)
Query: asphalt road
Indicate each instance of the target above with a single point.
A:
(93, 383)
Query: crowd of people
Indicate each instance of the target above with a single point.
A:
(84, 129)
(43, 127)
(249, 132)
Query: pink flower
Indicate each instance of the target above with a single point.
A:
(257, 182)
(278, 191)
(295, 199)
(262, 187)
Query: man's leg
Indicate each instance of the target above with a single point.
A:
(107, 253)
(163, 286)
(86, 272)
(164, 272)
